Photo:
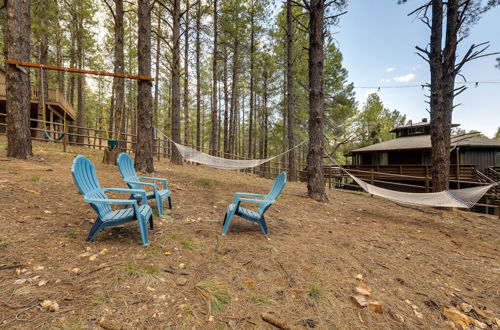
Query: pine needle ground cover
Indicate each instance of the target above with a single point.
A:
(354, 262)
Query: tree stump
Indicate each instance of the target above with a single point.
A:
(110, 156)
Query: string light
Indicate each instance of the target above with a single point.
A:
(476, 83)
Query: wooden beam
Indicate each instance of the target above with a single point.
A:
(60, 68)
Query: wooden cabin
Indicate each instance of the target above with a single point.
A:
(404, 163)
(412, 148)
(57, 109)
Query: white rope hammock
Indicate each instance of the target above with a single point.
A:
(459, 198)
(199, 157)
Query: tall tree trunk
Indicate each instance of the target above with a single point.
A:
(80, 118)
(157, 70)
(186, 76)
(119, 67)
(176, 70)
(442, 65)
(226, 104)
(234, 100)
(144, 147)
(17, 46)
(213, 113)
(315, 175)
(252, 51)
(59, 55)
(43, 85)
(290, 99)
(198, 75)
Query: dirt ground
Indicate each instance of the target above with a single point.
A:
(416, 261)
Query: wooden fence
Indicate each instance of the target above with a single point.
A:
(96, 138)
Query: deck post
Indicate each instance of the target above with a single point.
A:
(371, 176)
(426, 182)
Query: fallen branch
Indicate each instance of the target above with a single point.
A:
(4, 267)
(278, 323)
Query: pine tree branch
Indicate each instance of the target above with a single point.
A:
(110, 9)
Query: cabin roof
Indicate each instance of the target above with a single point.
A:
(420, 124)
(424, 142)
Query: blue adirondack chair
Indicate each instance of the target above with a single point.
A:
(265, 202)
(127, 171)
(85, 178)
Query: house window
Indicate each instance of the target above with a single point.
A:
(426, 158)
(380, 158)
(497, 158)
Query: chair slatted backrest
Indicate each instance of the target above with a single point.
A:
(273, 194)
(127, 170)
(85, 178)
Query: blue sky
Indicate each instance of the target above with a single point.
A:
(378, 43)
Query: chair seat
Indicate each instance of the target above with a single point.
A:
(126, 215)
(164, 193)
(244, 213)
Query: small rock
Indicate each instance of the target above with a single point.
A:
(93, 257)
(480, 324)
(181, 281)
(181, 266)
(36, 268)
(20, 281)
(497, 321)
(407, 301)
(76, 270)
(457, 317)
(57, 281)
(47, 212)
(109, 325)
(167, 253)
(103, 251)
(50, 305)
(400, 318)
(418, 314)
(359, 300)
(376, 306)
(363, 290)
(465, 307)
(42, 282)
(359, 277)
(150, 288)
(211, 318)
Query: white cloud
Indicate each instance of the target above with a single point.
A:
(406, 78)
(385, 80)
(390, 69)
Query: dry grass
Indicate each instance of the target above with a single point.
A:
(304, 274)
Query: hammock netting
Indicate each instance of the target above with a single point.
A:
(199, 157)
(459, 198)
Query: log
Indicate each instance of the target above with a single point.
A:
(110, 156)
(278, 323)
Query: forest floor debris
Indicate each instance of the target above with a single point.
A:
(304, 275)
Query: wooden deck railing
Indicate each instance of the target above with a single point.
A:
(54, 96)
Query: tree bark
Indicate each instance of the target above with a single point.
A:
(251, 114)
(198, 75)
(157, 71)
(234, 100)
(315, 175)
(213, 113)
(290, 100)
(442, 66)
(226, 104)
(119, 67)
(144, 146)
(80, 118)
(186, 76)
(176, 71)
(17, 45)
(43, 85)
